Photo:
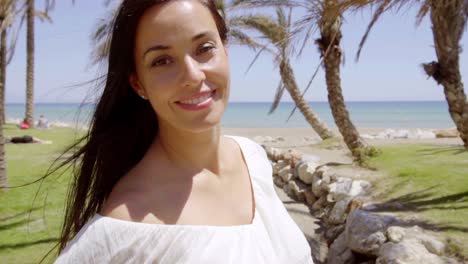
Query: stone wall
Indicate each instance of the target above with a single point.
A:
(354, 234)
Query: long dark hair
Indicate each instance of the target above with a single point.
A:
(122, 127)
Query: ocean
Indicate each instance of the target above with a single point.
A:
(433, 114)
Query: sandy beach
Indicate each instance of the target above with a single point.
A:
(305, 140)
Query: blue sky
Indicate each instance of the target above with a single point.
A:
(388, 70)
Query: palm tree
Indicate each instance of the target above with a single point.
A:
(449, 20)
(31, 13)
(277, 33)
(326, 15)
(30, 62)
(7, 14)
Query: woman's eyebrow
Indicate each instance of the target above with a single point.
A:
(164, 47)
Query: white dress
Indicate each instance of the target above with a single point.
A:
(272, 237)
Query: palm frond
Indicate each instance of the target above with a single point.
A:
(380, 10)
(263, 24)
(278, 95)
(264, 48)
(240, 38)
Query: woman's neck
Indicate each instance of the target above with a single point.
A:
(191, 151)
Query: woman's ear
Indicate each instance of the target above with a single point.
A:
(137, 87)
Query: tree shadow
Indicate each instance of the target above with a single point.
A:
(7, 218)
(421, 201)
(454, 150)
(13, 225)
(27, 244)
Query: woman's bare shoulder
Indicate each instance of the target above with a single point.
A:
(128, 201)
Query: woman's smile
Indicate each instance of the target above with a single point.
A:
(198, 101)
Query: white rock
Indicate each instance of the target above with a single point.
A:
(401, 134)
(365, 232)
(425, 134)
(407, 251)
(306, 171)
(345, 187)
(285, 173)
(395, 234)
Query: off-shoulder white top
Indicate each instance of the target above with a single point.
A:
(272, 237)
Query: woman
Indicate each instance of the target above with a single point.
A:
(156, 180)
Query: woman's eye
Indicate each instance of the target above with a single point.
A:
(160, 62)
(205, 48)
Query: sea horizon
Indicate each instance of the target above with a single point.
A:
(240, 114)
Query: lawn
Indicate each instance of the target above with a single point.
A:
(429, 185)
(29, 230)
(431, 182)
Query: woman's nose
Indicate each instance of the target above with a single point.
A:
(192, 72)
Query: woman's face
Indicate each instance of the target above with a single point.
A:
(181, 65)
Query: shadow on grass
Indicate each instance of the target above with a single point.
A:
(454, 150)
(7, 218)
(27, 244)
(14, 224)
(421, 201)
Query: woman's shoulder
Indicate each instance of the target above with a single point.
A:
(88, 244)
(249, 147)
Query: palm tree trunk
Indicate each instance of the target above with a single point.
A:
(3, 175)
(3, 48)
(330, 39)
(289, 81)
(448, 22)
(30, 64)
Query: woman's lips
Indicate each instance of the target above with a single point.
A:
(199, 101)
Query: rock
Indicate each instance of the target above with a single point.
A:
(447, 133)
(434, 246)
(281, 164)
(365, 232)
(338, 213)
(348, 188)
(319, 204)
(287, 189)
(306, 172)
(339, 253)
(320, 181)
(395, 234)
(309, 197)
(406, 251)
(274, 154)
(298, 188)
(285, 173)
(333, 232)
(401, 134)
(425, 134)
(274, 168)
(279, 182)
(431, 243)
(316, 185)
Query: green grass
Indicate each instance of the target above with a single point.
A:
(26, 237)
(431, 182)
